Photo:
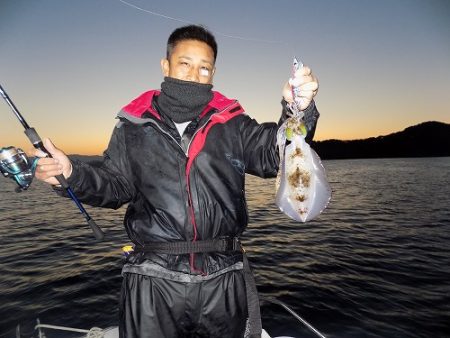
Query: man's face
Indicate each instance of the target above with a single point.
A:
(191, 60)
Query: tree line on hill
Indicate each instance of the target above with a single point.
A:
(427, 139)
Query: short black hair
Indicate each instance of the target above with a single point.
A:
(191, 32)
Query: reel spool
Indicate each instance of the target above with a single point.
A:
(15, 164)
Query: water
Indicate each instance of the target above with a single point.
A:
(376, 263)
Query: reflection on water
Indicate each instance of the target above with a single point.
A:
(374, 264)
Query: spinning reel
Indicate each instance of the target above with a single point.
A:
(15, 164)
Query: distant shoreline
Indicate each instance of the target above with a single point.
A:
(427, 139)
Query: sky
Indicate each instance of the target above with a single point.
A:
(69, 66)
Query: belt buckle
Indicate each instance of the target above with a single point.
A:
(230, 244)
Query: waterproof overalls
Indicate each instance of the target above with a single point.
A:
(187, 188)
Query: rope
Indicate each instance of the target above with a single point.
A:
(95, 332)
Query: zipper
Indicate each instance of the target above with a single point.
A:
(191, 211)
(188, 184)
(168, 134)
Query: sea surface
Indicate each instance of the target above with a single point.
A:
(375, 263)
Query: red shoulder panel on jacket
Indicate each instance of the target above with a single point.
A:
(141, 104)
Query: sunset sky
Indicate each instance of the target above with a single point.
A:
(70, 66)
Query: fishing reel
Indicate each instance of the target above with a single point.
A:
(15, 164)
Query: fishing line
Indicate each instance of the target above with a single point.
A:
(237, 37)
(154, 13)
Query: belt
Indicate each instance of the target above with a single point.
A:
(222, 244)
(179, 248)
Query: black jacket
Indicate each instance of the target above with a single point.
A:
(182, 188)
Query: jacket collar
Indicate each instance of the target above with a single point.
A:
(143, 103)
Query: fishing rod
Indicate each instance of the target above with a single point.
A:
(38, 144)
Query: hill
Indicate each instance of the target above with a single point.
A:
(427, 139)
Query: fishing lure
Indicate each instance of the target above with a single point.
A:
(302, 188)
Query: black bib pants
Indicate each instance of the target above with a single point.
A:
(162, 308)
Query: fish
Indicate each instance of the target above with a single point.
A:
(302, 187)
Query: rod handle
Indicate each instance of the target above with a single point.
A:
(98, 233)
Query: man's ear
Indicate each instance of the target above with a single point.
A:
(165, 66)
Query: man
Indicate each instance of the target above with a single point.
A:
(178, 157)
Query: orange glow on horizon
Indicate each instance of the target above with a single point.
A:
(94, 148)
(92, 139)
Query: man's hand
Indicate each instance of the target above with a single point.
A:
(48, 168)
(308, 84)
